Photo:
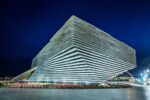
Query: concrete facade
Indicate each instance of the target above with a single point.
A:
(80, 52)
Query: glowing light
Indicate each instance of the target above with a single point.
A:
(148, 71)
(64, 80)
(138, 80)
(144, 78)
(87, 83)
(141, 74)
(75, 82)
(47, 80)
(40, 78)
(55, 81)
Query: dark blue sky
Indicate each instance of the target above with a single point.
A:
(27, 25)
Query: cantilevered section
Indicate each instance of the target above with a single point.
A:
(80, 52)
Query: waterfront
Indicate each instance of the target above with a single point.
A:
(136, 93)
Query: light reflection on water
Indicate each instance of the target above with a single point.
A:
(75, 94)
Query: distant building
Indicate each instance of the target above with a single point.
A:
(81, 53)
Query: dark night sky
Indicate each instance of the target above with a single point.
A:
(27, 25)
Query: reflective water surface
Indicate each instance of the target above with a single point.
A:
(75, 94)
